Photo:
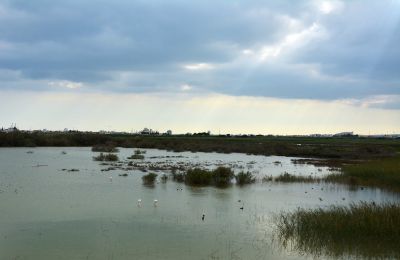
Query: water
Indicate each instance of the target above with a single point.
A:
(48, 213)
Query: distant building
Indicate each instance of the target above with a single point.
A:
(320, 135)
(145, 131)
(343, 134)
(12, 128)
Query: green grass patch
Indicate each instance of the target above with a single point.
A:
(364, 230)
(383, 173)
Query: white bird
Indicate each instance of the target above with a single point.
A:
(139, 203)
(155, 203)
(110, 178)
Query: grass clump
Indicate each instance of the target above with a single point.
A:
(138, 155)
(220, 177)
(149, 179)
(287, 177)
(245, 178)
(383, 173)
(106, 157)
(107, 148)
(366, 230)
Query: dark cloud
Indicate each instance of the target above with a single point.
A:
(142, 46)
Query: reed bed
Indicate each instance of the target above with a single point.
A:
(383, 173)
(365, 230)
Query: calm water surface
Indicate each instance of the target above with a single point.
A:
(47, 213)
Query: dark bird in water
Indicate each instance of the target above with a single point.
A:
(202, 218)
(241, 208)
(239, 201)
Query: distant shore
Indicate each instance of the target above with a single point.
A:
(335, 148)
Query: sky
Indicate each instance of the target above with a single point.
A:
(261, 67)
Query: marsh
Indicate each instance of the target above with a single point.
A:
(51, 213)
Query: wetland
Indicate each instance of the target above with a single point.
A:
(58, 202)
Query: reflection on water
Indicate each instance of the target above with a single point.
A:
(47, 213)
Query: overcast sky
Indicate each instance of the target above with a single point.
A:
(227, 66)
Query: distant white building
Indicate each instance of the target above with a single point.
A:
(145, 131)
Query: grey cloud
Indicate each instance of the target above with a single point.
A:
(95, 42)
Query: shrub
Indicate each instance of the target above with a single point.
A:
(198, 177)
(149, 179)
(245, 178)
(222, 176)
